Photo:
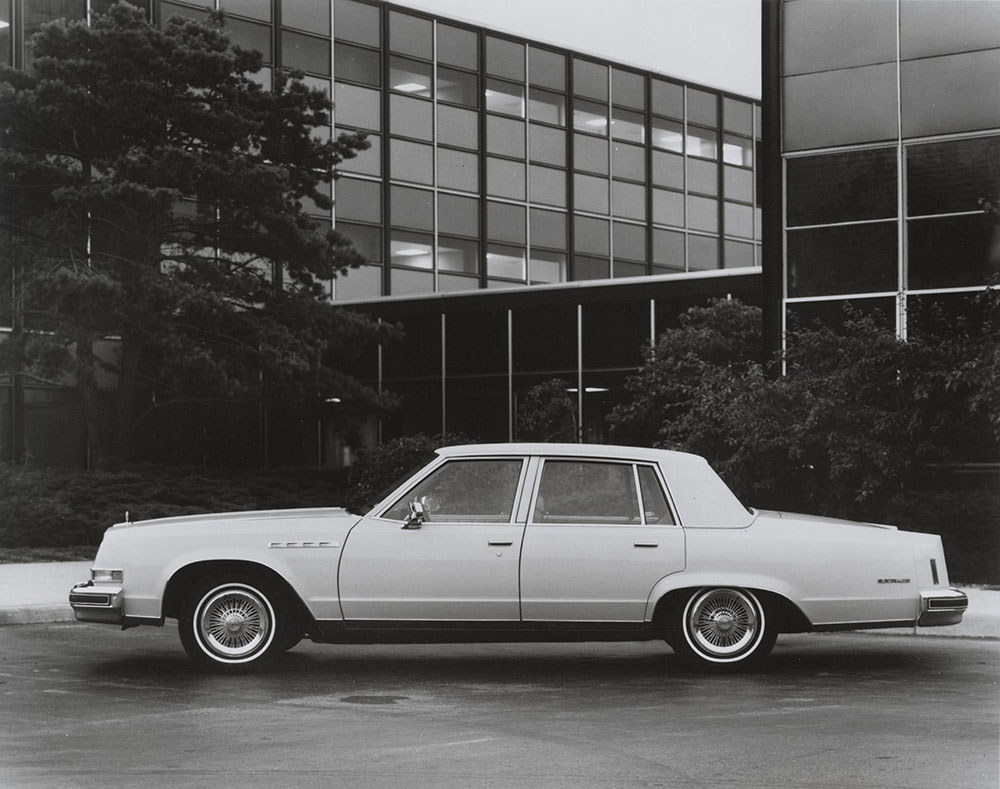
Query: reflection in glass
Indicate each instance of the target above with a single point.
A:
(590, 117)
(842, 187)
(457, 254)
(668, 135)
(412, 250)
(547, 107)
(628, 125)
(410, 76)
(505, 262)
(852, 259)
(950, 177)
(458, 87)
(505, 97)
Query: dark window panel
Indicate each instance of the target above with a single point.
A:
(668, 170)
(458, 215)
(590, 79)
(367, 239)
(457, 47)
(458, 87)
(255, 9)
(859, 105)
(668, 250)
(952, 252)
(505, 136)
(585, 267)
(703, 177)
(815, 34)
(355, 64)
(738, 254)
(505, 178)
(951, 177)
(738, 220)
(544, 338)
(628, 161)
(411, 35)
(458, 127)
(668, 208)
(841, 187)
(591, 193)
(738, 184)
(546, 68)
(628, 200)
(591, 236)
(368, 161)
(590, 154)
(505, 58)
(411, 117)
(833, 314)
(354, 21)
(703, 253)
(361, 200)
(478, 407)
(629, 241)
(411, 77)
(702, 108)
(628, 89)
(360, 283)
(308, 53)
(548, 228)
(250, 35)
(360, 108)
(613, 334)
(310, 15)
(477, 344)
(628, 268)
(411, 161)
(703, 214)
(668, 99)
(853, 259)
(505, 222)
(737, 116)
(548, 185)
(411, 282)
(413, 208)
(547, 145)
(454, 282)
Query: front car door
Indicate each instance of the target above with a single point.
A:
(600, 535)
(460, 565)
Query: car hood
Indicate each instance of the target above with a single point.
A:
(818, 520)
(223, 518)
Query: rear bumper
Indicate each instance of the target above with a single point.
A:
(942, 607)
(103, 604)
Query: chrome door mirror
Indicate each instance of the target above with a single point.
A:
(416, 518)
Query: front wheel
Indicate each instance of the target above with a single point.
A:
(233, 625)
(722, 629)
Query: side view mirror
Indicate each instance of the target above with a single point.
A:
(416, 518)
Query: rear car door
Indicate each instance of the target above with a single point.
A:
(601, 533)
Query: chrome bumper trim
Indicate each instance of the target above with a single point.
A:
(102, 604)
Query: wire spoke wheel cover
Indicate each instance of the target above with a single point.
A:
(234, 623)
(723, 625)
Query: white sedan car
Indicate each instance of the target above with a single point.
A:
(520, 542)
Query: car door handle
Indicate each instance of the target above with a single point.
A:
(646, 544)
(498, 543)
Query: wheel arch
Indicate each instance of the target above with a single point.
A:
(788, 617)
(185, 577)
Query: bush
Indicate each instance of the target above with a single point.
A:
(44, 508)
(379, 469)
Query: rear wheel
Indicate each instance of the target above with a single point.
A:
(722, 629)
(234, 625)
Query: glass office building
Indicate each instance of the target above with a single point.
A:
(526, 212)
(889, 149)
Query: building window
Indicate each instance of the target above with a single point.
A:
(590, 79)
(353, 21)
(355, 64)
(849, 259)
(590, 117)
(841, 187)
(309, 53)
(505, 58)
(505, 97)
(411, 35)
(457, 47)
(411, 250)
(411, 77)
(547, 69)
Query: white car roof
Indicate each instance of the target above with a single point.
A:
(702, 499)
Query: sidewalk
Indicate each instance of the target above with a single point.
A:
(36, 593)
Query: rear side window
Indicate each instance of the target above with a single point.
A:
(654, 503)
(586, 492)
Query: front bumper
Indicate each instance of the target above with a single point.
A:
(104, 604)
(942, 607)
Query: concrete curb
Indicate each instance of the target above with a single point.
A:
(36, 615)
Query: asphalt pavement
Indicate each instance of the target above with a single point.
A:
(38, 593)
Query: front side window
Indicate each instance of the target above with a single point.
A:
(464, 491)
(587, 492)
